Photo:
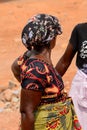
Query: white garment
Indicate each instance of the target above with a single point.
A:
(78, 93)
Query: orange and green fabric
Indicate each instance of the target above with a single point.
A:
(57, 116)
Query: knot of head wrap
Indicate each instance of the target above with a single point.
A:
(40, 30)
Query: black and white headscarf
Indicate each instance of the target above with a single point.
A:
(40, 29)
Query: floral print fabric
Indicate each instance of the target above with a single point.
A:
(57, 116)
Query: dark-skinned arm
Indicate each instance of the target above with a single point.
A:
(65, 61)
(16, 70)
(29, 102)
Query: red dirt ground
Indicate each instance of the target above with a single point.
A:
(13, 16)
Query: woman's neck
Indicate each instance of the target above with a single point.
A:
(44, 55)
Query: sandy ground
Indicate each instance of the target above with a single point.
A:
(13, 16)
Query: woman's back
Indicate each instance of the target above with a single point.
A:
(38, 75)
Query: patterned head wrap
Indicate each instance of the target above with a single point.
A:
(40, 30)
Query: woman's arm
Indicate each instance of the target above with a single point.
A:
(65, 61)
(16, 70)
(30, 100)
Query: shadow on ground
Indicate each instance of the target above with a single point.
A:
(2, 1)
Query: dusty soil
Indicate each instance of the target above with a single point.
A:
(13, 16)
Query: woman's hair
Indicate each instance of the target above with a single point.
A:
(40, 30)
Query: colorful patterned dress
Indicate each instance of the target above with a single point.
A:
(56, 110)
